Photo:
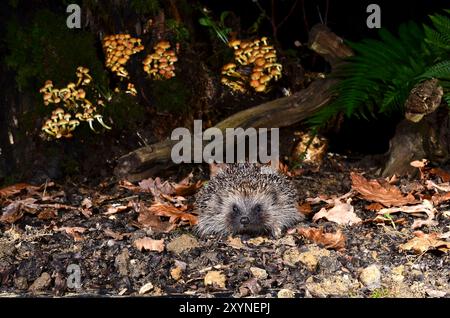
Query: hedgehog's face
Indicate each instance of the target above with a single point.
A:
(247, 216)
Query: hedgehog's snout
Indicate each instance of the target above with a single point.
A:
(247, 218)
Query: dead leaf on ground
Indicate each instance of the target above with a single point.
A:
(156, 187)
(334, 241)
(75, 232)
(115, 235)
(48, 214)
(441, 173)
(15, 189)
(149, 244)
(425, 242)
(445, 187)
(116, 208)
(425, 207)
(15, 210)
(185, 187)
(147, 218)
(174, 214)
(375, 206)
(305, 208)
(236, 242)
(342, 213)
(380, 191)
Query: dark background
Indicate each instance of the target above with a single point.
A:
(345, 18)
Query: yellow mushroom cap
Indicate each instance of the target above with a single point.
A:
(228, 66)
(234, 43)
(260, 88)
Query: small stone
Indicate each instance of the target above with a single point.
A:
(291, 256)
(21, 283)
(182, 243)
(371, 276)
(309, 260)
(41, 283)
(259, 273)
(146, 288)
(285, 293)
(122, 262)
(397, 273)
(175, 272)
(215, 278)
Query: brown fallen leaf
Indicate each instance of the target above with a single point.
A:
(75, 232)
(341, 213)
(423, 243)
(334, 241)
(48, 214)
(115, 235)
(156, 187)
(116, 208)
(86, 207)
(445, 187)
(305, 208)
(439, 198)
(236, 242)
(148, 219)
(380, 191)
(187, 189)
(444, 175)
(149, 244)
(174, 214)
(375, 206)
(425, 207)
(15, 210)
(15, 189)
(128, 185)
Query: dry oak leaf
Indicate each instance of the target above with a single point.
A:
(16, 188)
(341, 213)
(150, 244)
(172, 212)
(334, 241)
(156, 187)
(14, 211)
(425, 207)
(425, 242)
(74, 232)
(185, 187)
(380, 191)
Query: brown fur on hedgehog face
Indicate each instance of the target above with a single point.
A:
(247, 199)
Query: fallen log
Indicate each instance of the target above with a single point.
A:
(148, 161)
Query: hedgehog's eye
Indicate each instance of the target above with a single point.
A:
(257, 208)
(235, 209)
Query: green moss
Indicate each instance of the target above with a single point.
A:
(379, 293)
(123, 110)
(46, 49)
(171, 95)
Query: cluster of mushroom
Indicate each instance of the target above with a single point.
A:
(118, 50)
(73, 96)
(259, 54)
(60, 124)
(160, 64)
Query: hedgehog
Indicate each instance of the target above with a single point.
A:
(247, 199)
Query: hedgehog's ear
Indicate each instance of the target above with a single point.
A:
(215, 168)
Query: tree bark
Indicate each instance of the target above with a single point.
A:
(147, 161)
